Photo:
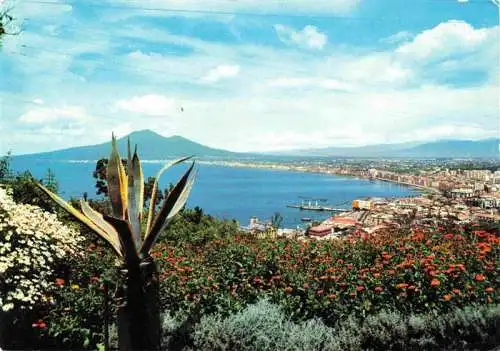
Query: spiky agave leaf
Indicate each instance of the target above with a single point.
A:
(135, 196)
(124, 231)
(174, 202)
(117, 182)
(99, 221)
(152, 202)
(80, 217)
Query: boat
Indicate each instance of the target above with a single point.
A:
(306, 219)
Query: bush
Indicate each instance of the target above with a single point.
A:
(264, 326)
(32, 244)
(411, 273)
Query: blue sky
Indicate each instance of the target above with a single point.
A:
(250, 75)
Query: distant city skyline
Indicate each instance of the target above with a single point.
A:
(250, 76)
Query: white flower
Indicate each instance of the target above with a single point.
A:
(7, 307)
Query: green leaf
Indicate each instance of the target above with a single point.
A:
(99, 221)
(135, 197)
(125, 234)
(174, 202)
(155, 187)
(116, 177)
(77, 214)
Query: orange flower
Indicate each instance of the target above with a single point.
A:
(489, 289)
(360, 288)
(479, 277)
(447, 297)
(402, 286)
(456, 291)
(288, 289)
(435, 282)
(332, 296)
(59, 282)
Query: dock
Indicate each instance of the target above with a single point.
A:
(308, 204)
(317, 208)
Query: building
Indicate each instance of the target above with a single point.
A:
(362, 205)
(321, 230)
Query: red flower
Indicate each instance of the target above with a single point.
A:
(360, 288)
(320, 292)
(447, 297)
(332, 296)
(480, 277)
(59, 282)
(402, 286)
(306, 286)
(435, 282)
(39, 324)
(379, 289)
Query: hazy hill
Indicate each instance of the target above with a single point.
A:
(487, 148)
(151, 146)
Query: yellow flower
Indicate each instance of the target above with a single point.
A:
(75, 286)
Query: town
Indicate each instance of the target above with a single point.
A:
(461, 196)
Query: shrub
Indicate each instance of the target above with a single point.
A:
(32, 243)
(410, 273)
(264, 326)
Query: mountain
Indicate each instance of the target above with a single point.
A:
(487, 148)
(151, 146)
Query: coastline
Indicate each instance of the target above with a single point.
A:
(301, 169)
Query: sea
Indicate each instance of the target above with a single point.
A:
(234, 192)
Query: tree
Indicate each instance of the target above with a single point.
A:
(276, 220)
(139, 316)
(50, 181)
(5, 167)
(7, 20)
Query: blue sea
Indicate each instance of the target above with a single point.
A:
(234, 193)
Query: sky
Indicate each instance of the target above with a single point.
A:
(249, 75)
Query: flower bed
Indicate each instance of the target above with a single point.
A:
(427, 270)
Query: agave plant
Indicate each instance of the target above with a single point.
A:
(138, 315)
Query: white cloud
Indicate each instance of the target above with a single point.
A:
(45, 115)
(447, 39)
(151, 105)
(297, 82)
(221, 72)
(398, 38)
(38, 101)
(309, 37)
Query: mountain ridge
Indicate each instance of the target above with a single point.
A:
(485, 148)
(153, 146)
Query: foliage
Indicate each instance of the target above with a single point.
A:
(101, 185)
(195, 228)
(76, 317)
(139, 316)
(414, 273)
(264, 326)
(32, 244)
(5, 167)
